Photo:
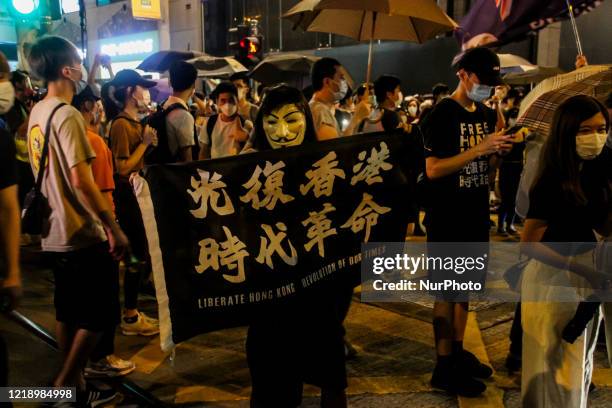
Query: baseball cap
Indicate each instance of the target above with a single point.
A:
(129, 77)
(86, 94)
(481, 61)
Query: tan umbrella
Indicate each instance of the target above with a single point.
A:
(369, 20)
(560, 81)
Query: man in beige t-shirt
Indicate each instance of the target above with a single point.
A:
(80, 234)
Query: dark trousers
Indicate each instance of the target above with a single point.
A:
(509, 179)
(25, 180)
(130, 220)
(4, 369)
(516, 333)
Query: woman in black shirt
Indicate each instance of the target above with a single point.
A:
(567, 202)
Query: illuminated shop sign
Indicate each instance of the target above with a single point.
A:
(134, 47)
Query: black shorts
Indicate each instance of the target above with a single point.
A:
(87, 288)
(292, 345)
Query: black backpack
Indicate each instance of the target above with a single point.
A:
(161, 153)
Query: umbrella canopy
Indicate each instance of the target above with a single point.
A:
(217, 67)
(560, 81)
(283, 68)
(161, 60)
(510, 63)
(368, 20)
(532, 76)
(538, 117)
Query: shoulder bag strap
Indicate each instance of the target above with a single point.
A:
(45, 152)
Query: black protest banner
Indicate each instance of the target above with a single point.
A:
(229, 234)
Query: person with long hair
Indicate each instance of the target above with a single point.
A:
(568, 201)
(125, 99)
(280, 356)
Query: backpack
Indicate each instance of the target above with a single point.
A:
(161, 153)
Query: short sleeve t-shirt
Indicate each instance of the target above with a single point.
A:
(460, 201)
(125, 137)
(222, 144)
(72, 224)
(323, 114)
(180, 127)
(102, 166)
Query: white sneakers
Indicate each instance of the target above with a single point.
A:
(109, 367)
(143, 326)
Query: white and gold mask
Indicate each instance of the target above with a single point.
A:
(285, 126)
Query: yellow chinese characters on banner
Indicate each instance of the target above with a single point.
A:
(149, 9)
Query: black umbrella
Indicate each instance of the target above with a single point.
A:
(161, 60)
(283, 68)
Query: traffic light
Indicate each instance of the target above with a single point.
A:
(248, 45)
(25, 10)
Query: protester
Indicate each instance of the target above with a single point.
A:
(180, 124)
(459, 137)
(246, 109)
(103, 361)
(330, 86)
(439, 92)
(75, 233)
(389, 98)
(569, 182)
(126, 97)
(413, 110)
(281, 357)
(17, 121)
(223, 133)
(10, 274)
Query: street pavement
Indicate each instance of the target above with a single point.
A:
(392, 368)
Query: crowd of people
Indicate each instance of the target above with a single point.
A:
(465, 145)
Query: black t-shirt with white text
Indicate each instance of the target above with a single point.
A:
(459, 202)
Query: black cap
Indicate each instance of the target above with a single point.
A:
(86, 94)
(129, 77)
(481, 61)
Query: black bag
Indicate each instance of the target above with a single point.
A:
(513, 274)
(161, 153)
(35, 206)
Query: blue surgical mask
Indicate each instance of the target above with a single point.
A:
(480, 92)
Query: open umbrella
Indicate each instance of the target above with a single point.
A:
(369, 20)
(510, 63)
(560, 81)
(538, 117)
(217, 67)
(160, 61)
(532, 76)
(283, 68)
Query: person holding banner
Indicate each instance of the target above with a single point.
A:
(281, 356)
(458, 142)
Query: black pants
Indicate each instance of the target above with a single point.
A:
(106, 344)
(130, 220)
(25, 180)
(516, 333)
(4, 369)
(509, 179)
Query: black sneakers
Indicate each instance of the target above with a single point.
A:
(467, 363)
(93, 397)
(455, 382)
(459, 374)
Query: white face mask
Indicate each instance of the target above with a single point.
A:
(7, 97)
(412, 110)
(399, 100)
(342, 90)
(229, 109)
(590, 146)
